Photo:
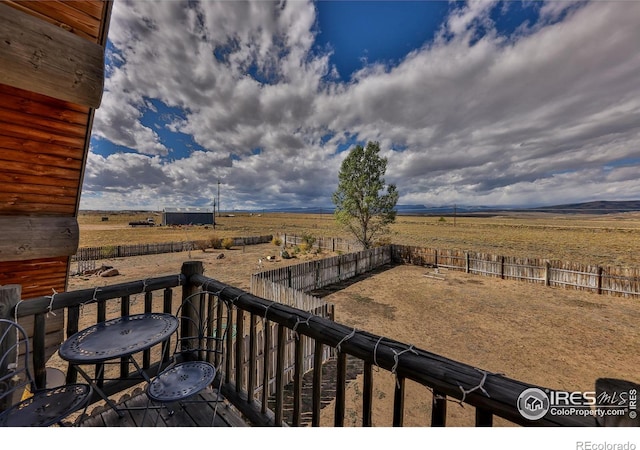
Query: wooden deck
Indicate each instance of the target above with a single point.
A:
(190, 415)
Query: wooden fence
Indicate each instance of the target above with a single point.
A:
(290, 286)
(324, 243)
(610, 280)
(123, 251)
(317, 274)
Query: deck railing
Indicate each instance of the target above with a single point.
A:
(492, 395)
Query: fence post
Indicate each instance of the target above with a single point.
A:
(190, 314)
(600, 271)
(466, 262)
(547, 273)
(435, 257)
(502, 267)
(9, 298)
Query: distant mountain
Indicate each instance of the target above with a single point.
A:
(597, 207)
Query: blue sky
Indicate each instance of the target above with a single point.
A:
(473, 103)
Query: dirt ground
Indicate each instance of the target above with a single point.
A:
(557, 338)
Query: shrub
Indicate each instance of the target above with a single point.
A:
(276, 241)
(307, 242)
(386, 240)
(227, 243)
(215, 242)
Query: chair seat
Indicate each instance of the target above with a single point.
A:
(181, 381)
(47, 406)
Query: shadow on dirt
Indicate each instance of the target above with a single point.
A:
(332, 288)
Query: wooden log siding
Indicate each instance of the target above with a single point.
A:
(42, 144)
(25, 238)
(40, 57)
(38, 277)
(82, 18)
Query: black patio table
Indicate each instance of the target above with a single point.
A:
(117, 338)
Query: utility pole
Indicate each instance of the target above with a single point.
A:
(455, 213)
(218, 197)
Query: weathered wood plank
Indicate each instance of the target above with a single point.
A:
(25, 238)
(40, 57)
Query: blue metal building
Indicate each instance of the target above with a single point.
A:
(188, 216)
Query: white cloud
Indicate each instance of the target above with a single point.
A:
(480, 121)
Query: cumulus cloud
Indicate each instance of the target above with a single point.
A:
(549, 114)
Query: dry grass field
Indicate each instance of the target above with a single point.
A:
(558, 338)
(612, 239)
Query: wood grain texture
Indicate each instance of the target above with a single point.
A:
(38, 56)
(24, 238)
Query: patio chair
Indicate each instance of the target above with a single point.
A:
(21, 402)
(198, 355)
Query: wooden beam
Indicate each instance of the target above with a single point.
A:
(40, 57)
(28, 237)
